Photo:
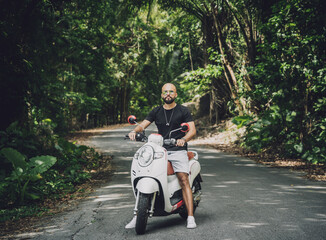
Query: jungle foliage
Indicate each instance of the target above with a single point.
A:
(68, 65)
(28, 178)
(290, 82)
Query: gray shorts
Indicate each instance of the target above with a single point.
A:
(179, 160)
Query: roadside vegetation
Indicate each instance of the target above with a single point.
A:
(30, 179)
(81, 64)
(228, 137)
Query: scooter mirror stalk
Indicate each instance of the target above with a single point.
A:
(184, 127)
(132, 121)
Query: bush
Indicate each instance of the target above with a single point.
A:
(25, 179)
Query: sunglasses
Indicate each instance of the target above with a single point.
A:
(166, 92)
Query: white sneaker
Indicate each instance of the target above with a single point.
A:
(191, 222)
(132, 223)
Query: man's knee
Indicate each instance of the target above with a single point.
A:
(183, 179)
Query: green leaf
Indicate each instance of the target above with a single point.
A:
(32, 196)
(35, 177)
(17, 173)
(41, 164)
(316, 150)
(16, 158)
(298, 147)
(241, 120)
(266, 122)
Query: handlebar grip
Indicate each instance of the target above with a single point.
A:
(170, 142)
(140, 137)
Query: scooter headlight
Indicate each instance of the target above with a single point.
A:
(145, 157)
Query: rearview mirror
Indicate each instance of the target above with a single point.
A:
(132, 119)
(184, 127)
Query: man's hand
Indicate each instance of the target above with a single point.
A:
(141, 127)
(181, 142)
(132, 135)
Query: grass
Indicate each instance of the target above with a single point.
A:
(21, 212)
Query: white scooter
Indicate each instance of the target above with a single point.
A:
(155, 186)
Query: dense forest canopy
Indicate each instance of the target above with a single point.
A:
(69, 65)
(87, 63)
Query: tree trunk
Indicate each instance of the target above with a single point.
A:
(229, 73)
(190, 56)
(208, 42)
(245, 24)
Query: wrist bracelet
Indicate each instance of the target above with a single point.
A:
(184, 139)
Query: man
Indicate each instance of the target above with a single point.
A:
(169, 117)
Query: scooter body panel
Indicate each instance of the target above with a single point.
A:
(173, 184)
(147, 185)
(194, 170)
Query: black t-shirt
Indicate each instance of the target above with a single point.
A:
(179, 114)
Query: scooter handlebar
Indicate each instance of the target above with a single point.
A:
(140, 137)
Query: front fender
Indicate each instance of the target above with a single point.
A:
(147, 185)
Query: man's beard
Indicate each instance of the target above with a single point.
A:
(168, 101)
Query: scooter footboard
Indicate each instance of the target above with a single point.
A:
(147, 185)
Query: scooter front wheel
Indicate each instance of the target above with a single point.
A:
(143, 212)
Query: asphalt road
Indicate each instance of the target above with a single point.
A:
(241, 200)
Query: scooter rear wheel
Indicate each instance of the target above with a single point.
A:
(184, 214)
(142, 213)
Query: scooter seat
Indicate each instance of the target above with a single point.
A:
(190, 154)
